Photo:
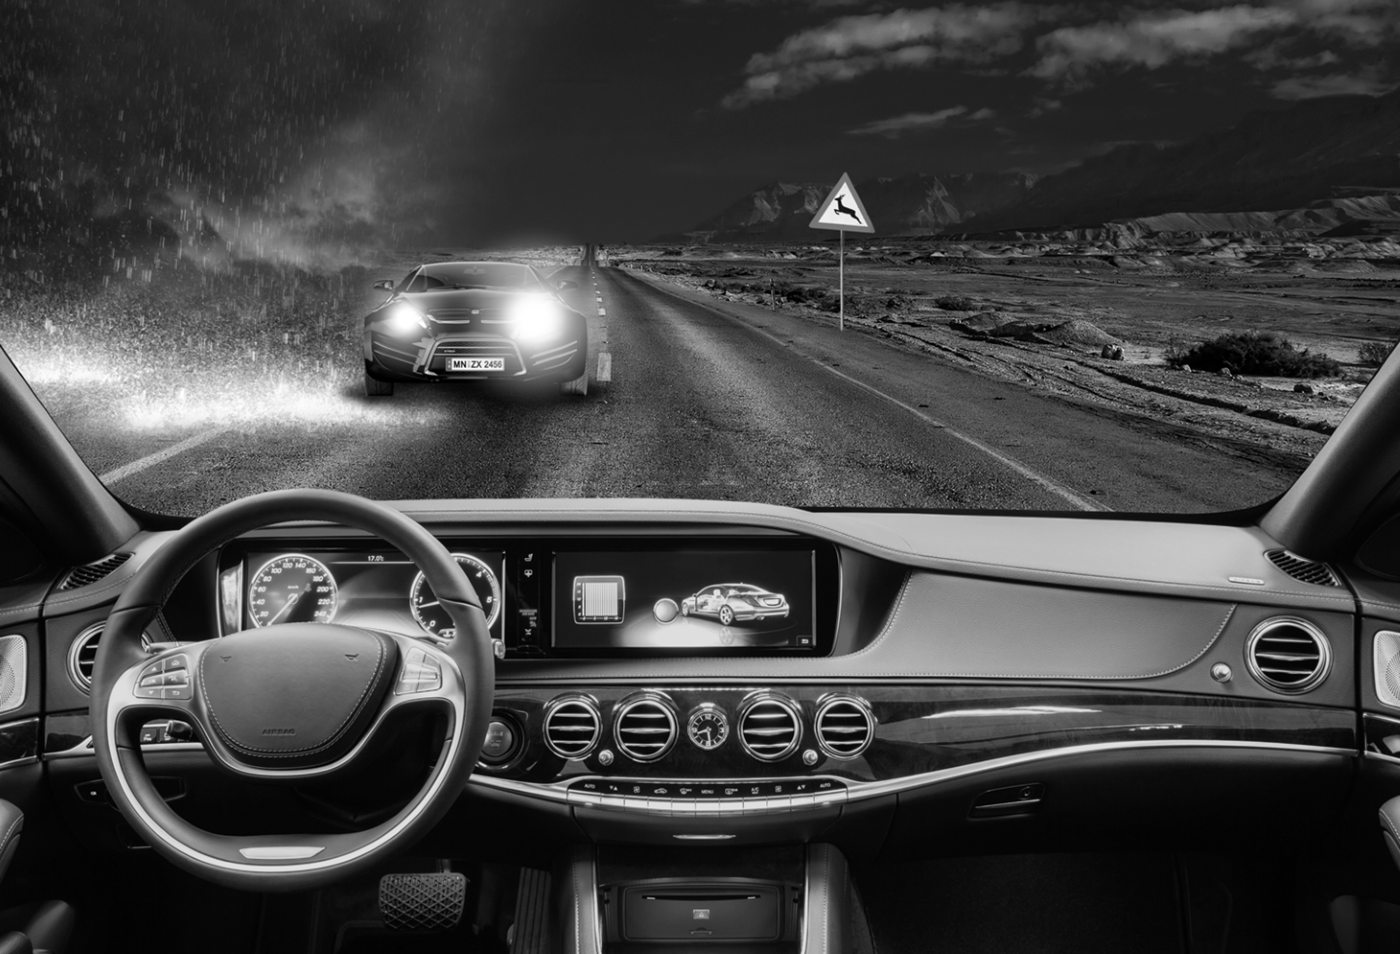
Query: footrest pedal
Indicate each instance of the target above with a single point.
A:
(422, 902)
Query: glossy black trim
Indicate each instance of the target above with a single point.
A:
(935, 727)
(19, 741)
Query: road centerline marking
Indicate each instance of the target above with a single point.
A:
(1044, 482)
(160, 456)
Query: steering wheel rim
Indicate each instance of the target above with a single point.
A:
(291, 862)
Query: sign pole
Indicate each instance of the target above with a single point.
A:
(842, 293)
(842, 212)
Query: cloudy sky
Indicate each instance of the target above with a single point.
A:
(445, 122)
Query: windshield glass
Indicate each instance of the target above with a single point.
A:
(1023, 256)
(473, 275)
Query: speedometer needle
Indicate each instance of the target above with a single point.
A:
(291, 601)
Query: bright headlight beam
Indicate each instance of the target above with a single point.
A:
(405, 320)
(536, 319)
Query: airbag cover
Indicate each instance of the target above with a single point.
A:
(297, 695)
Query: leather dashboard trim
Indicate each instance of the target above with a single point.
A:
(967, 627)
(1164, 557)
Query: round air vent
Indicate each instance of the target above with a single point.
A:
(82, 654)
(572, 726)
(770, 727)
(645, 727)
(844, 726)
(1288, 654)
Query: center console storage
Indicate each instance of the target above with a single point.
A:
(623, 900)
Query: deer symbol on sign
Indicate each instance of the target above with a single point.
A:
(843, 209)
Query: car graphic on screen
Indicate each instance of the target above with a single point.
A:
(735, 603)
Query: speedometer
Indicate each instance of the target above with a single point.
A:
(429, 612)
(292, 588)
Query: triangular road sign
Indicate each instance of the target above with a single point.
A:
(842, 211)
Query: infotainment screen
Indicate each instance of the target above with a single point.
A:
(667, 600)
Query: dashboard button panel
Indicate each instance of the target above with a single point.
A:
(736, 796)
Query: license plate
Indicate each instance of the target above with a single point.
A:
(476, 364)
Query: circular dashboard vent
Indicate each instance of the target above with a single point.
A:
(82, 654)
(572, 726)
(770, 727)
(844, 726)
(645, 727)
(1288, 654)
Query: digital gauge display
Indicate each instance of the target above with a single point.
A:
(292, 588)
(429, 613)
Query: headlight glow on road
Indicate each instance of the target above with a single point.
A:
(537, 318)
(266, 404)
(405, 320)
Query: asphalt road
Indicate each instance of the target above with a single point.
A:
(707, 400)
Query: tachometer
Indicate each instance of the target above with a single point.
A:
(292, 588)
(429, 612)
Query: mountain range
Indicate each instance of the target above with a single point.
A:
(1316, 165)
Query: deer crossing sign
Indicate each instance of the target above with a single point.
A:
(842, 211)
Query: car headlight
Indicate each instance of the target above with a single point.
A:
(537, 319)
(405, 320)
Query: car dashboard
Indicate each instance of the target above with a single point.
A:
(995, 682)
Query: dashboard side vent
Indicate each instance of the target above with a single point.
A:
(770, 727)
(1288, 654)
(90, 573)
(82, 654)
(1304, 571)
(645, 727)
(844, 726)
(572, 726)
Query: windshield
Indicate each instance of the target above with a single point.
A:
(1022, 256)
(470, 275)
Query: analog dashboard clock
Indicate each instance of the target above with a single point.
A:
(707, 726)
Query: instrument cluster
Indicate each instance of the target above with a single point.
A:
(372, 589)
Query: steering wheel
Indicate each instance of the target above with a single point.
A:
(289, 702)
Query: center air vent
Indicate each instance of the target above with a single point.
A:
(770, 727)
(572, 726)
(844, 726)
(1305, 571)
(1288, 654)
(92, 572)
(645, 727)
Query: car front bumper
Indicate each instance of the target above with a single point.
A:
(428, 357)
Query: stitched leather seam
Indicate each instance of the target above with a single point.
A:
(305, 750)
(5, 838)
(1390, 823)
(826, 532)
(21, 610)
(889, 623)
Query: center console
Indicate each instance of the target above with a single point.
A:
(788, 900)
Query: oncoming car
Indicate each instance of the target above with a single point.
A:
(474, 321)
(735, 602)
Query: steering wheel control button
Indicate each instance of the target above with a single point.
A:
(500, 743)
(167, 678)
(421, 673)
